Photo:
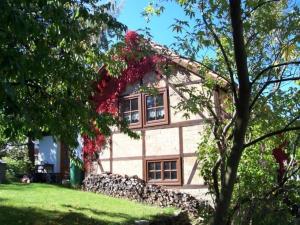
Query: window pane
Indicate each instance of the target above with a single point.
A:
(160, 113)
(159, 100)
(151, 114)
(167, 165)
(151, 175)
(151, 165)
(173, 165)
(127, 117)
(157, 166)
(167, 175)
(158, 175)
(126, 106)
(134, 104)
(173, 175)
(135, 117)
(149, 101)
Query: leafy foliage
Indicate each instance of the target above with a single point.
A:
(253, 47)
(17, 162)
(49, 52)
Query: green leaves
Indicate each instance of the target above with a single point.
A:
(152, 9)
(49, 56)
(269, 36)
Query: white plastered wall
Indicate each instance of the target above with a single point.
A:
(191, 138)
(162, 142)
(128, 167)
(124, 146)
(48, 152)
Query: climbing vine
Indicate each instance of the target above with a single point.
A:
(132, 59)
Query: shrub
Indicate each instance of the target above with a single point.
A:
(17, 162)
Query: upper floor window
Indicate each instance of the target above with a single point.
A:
(131, 110)
(155, 107)
(142, 110)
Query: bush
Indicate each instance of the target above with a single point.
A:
(17, 162)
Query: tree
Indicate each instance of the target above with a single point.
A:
(254, 46)
(49, 54)
(263, 194)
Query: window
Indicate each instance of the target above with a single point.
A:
(170, 170)
(142, 110)
(131, 110)
(156, 109)
(154, 169)
(165, 171)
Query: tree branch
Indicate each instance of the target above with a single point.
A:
(251, 37)
(282, 183)
(227, 62)
(282, 80)
(182, 96)
(175, 56)
(264, 198)
(228, 125)
(271, 134)
(271, 67)
(260, 4)
(215, 178)
(205, 66)
(267, 84)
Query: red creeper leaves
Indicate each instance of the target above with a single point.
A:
(109, 88)
(280, 157)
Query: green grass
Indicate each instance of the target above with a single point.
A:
(44, 204)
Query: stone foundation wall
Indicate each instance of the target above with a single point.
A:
(137, 189)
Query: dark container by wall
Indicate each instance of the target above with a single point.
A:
(76, 175)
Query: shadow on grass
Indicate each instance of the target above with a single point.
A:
(33, 216)
(3, 199)
(162, 219)
(100, 212)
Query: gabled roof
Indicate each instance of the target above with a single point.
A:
(191, 65)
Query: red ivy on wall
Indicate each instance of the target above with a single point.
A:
(109, 88)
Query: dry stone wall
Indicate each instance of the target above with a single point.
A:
(137, 189)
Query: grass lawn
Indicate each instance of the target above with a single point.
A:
(41, 204)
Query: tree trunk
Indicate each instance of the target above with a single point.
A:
(30, 146)
(242, 119)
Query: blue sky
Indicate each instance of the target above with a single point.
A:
(130, 15)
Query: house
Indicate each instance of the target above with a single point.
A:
(166, 153)
(47, 151)
(52, 156)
